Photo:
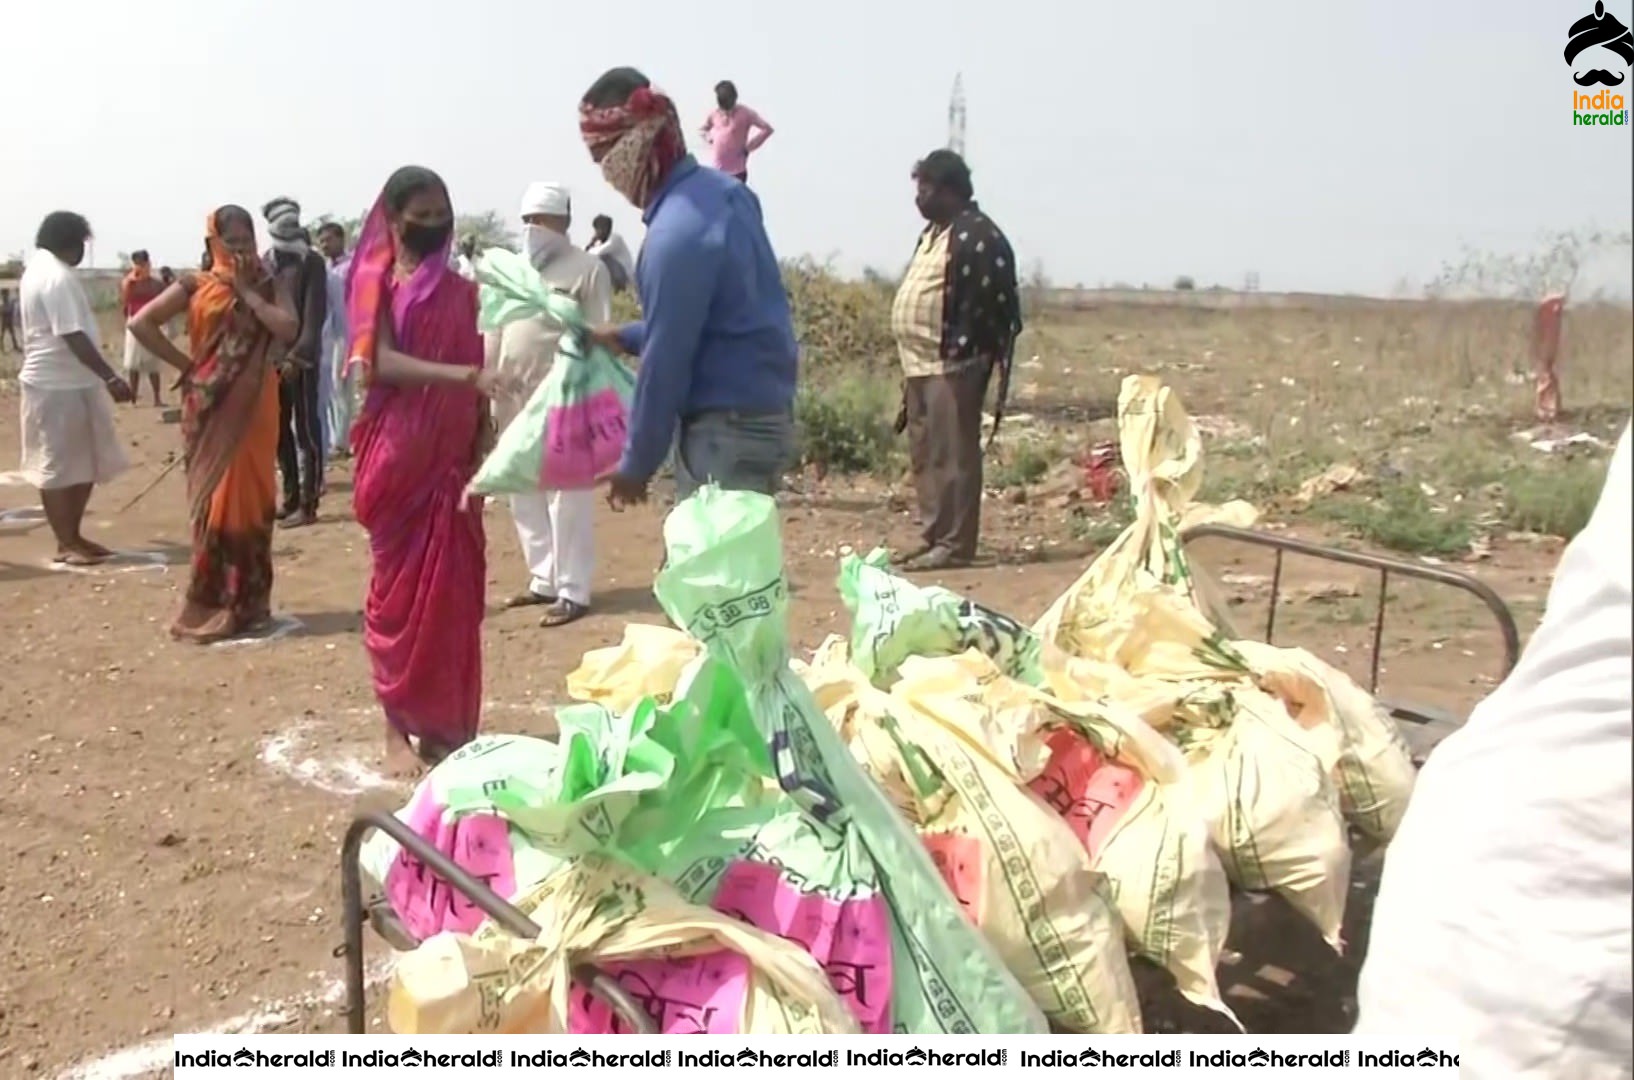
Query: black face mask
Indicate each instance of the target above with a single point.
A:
(426, 240)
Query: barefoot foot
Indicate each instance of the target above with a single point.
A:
(401, 761)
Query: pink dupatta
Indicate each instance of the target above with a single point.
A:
(414, 448)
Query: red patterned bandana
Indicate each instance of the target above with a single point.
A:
(636, 143)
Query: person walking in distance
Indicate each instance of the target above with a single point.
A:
(733, 132)
(611, 249)
(136, 290)
(554, 526)
(300, 435)
(955, 318)
(339, 393)
(8, 321)
(70, 444)
(716, 341)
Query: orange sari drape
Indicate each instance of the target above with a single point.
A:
(230, 431)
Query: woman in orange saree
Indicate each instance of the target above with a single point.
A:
(235, 314)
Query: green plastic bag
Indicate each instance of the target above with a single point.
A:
(724, 583)
(572, 430)
(893, 619)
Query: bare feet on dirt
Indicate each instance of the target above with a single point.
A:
(401, 761)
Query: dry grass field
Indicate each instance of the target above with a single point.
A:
(176, 813)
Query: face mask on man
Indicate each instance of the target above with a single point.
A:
(540, 243)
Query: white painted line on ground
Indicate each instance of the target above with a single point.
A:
(123, 562)
(153, 1058)
(345, 773)
(281, 626)
(346, 770)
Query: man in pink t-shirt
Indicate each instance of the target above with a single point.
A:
(734, 132)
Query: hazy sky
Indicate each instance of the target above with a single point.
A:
(1327, 146)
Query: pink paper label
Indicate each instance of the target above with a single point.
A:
(851, 939)
(691, 995)
(583, 441)
(959, 858)
(479, 844)
(1088, 789)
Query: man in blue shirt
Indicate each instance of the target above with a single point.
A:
(717, 349)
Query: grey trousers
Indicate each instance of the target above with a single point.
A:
(737, 451)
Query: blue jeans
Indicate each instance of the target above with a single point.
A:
(738, 451)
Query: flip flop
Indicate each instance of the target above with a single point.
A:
(74, 558)
(563, 612)
(528, 598)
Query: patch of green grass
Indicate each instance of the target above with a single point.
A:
(1556, 500)
(1100, 525)
(1402, 518)
(1021, 464)
(846, 425)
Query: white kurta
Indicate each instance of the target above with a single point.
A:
(1503, 920)
(556, 528)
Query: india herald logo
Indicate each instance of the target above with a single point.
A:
(1589, 39)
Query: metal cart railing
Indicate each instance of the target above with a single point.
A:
(354, 911)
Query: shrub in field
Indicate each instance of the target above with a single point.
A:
(845, 423)
(842, 326)
(1555, 501)
(1020, 464)
(1403, 519)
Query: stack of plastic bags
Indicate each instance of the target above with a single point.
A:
(1273, 751)
(948, 822)
(737, 794)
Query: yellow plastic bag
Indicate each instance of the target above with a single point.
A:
(1162, 453)
(675, 958)
(1118, 785)
(647, 663)
(1014, 865)
(1134, 628)
(1375, 772)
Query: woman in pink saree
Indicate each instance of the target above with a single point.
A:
(424, 428)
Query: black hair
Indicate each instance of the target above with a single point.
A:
(946, 170)
(726, 86)
(601, 219)
(139, 255)
(62, 230)
(333, 227)
(615, 87)
(409, 181)
(224, 216)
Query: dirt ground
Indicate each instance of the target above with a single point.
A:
(175, 813)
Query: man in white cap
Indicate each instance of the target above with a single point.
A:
(555, 526)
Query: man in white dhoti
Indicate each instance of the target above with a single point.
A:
(69, 441)
(555, 527)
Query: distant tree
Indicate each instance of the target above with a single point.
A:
(1184, 283)
(487, 228)
(1553, 266)
(352, 225)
